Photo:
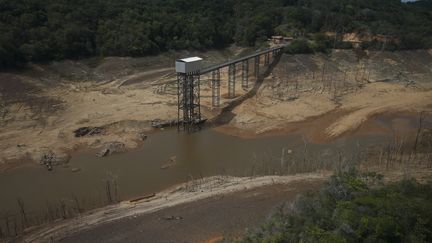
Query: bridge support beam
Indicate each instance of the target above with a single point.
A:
(188, 92)
(267, 59)
(245, 74)
(216, 88)
(256, 67)
(188, 95)
(231, 80)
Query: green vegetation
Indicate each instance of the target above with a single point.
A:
(355, 208)
(45, 30)
(316, 43)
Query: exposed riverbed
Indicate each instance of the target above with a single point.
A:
(169, 158)
(276, 127)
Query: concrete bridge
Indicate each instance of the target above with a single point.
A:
(189, 73)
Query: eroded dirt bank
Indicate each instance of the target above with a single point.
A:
(214, 187)
(116, 99)
(338, 93)
(119, 98)
(228, 215)
(230, 205)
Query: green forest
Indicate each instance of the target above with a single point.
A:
(354, 207)
(46, 30)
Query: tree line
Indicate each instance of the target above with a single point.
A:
(354, 207)
(46, 30)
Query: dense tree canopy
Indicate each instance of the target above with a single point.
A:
(349, 209)
(44, 30)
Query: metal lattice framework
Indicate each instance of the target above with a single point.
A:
(256, 67)
(215, 81)
(245, 74)
(231, 80)
(189, 109)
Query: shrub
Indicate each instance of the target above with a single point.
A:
(347, 209)
(298, 47)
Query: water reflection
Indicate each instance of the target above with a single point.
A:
(197, 155)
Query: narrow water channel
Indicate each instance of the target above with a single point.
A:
(143, 171)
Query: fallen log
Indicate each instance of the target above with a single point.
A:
(134, 200)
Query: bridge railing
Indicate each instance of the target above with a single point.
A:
(241, 59)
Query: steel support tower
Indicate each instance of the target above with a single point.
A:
(266, 59)
(231, 80)
(245, 74)
(256, 67)
(215, 82)
(189, 109)
(188, 83)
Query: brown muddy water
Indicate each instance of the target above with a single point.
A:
(197, 155)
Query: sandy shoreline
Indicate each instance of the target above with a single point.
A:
(180, 194)
(202, 189)
(293, 98)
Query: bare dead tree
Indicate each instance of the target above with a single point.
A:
(7, 224)
(62, 208)
(52, 212)
(296, 87)
(282, 160)
(3, 111)
(22, 212)
(419, 130)
(355, 75)
(340, 161)
(116, 197)
(15, 226)
(305, 151)
(429, 158)
(345, 77)
(108, 191)
(77, 204)
(323, 77)
(111, 188)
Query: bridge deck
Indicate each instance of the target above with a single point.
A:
(225, 64)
